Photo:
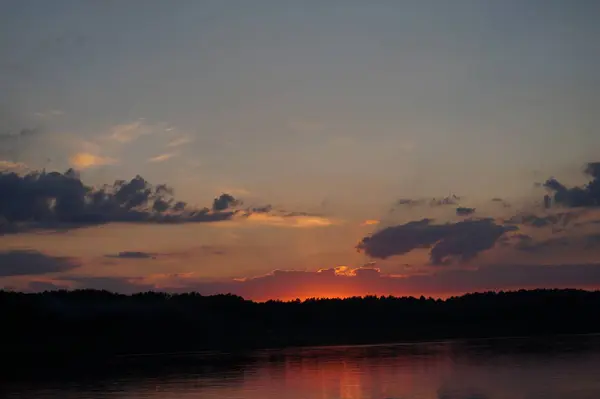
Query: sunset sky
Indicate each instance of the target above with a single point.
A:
(339, 147)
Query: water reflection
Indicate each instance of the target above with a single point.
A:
(487, 369)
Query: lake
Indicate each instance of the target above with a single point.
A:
(516, 368)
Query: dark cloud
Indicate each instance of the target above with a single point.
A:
(449, 200)
(461, 241)
(587, 195)
(517, 240)
(530, 245)
(409, 202)
(44, 199)
(224, 201)
(132, 255)
(296, 214)
(278, 212)
(262, 209)
(424, 202)
(561, 219)
(433, 202)
(463, 211)
(11, 142)
(502, 202)
(26, 262)
(179, 206)
(26, 132)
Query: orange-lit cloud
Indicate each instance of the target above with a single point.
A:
(12, 166)
(296, 221)
(84, 160)
(345, 270)
(370, 222)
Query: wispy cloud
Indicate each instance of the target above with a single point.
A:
(370, 222)
(49, 114)
(179, 141)
(162, 157)
(128, 132)
(132, 255)
(84, 160)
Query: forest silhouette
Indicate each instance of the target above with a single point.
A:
(92, 323)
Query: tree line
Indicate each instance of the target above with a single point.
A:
(100, 323)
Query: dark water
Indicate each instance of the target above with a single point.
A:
(565, 367)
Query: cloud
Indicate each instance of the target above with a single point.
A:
(558, 220)
(128, 132)
(587, 195)
(61, 200)
(527, 243)
(370, 222)
(460, 241)
(28, 262)
(179, 141)
(54, 199)
(288, 220)
(502, 202)
(236, 191)
(547, 228)
(85, 160)
(23, 133)
(346, 282)
(12, 166)
(267, 215)
(162, 157)
(132, 255)
(409, 201)
(432, 202)
(224, 201)
(576, 243)
(49, 114)
(449, 200)
(463, 211)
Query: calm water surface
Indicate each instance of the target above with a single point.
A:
(566, 367)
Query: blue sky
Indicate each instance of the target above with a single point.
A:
(335, 107)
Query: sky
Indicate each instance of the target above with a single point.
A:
(284, 149)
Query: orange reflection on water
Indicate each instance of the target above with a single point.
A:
(500, 369)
